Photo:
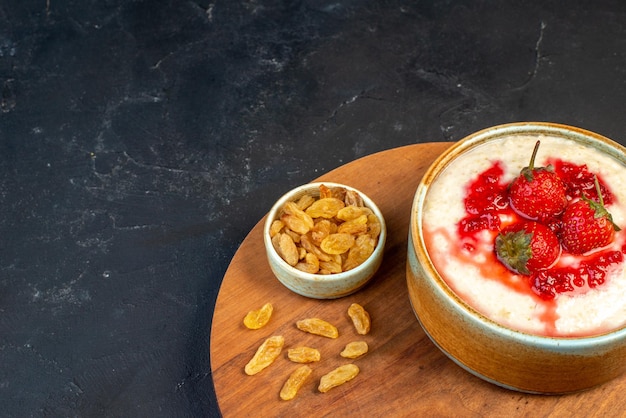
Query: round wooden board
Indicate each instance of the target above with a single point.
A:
(404, 374)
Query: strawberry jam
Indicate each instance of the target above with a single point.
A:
(579, 180)
(487, 204)
(486, 197)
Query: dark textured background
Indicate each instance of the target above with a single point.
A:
(141, 140)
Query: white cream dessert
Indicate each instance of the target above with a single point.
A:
(581, 295)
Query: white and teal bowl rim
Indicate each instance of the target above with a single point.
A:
(557, 344)
(338, 278)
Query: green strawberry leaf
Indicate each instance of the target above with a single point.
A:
(513, 250)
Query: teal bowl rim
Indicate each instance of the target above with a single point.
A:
(557, 344)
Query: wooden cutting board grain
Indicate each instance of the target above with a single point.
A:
(403, 374)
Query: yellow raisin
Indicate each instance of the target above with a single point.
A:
(303, 355)
(373, 226)
(265, 354)
(294, 235)
(276, 227)
(325, 208)
(337, 243)
(305, 201)
(339, 376)
(295, 224)
(307, 243)
(354, 349)
(294, 382)
(311, 264)
(360, 318)
(363, 247)
(325, 192)
(353, 198)
(287, 249)
(318, 327)
(354, 226)
(258, 318)
(321, 230)
(331, 266)
(275, 241)
(335, 192)
(351, 212)
(292, 208)
(338, 193)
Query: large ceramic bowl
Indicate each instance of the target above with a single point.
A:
(499, 352)
(323, 286)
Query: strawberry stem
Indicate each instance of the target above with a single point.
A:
(532, 158)
(598, 207)
(528, 171)
(598, 191)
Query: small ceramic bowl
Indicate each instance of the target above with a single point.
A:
(322, 286)
(503, 354)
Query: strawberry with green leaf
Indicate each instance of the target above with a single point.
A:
(538, 193)
(527, 246)
(587, 225)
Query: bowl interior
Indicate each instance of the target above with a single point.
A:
(478, 139)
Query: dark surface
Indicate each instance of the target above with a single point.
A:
(140, 141)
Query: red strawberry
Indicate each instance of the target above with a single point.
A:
(587, 225)
(527, 246)
(538, 193)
